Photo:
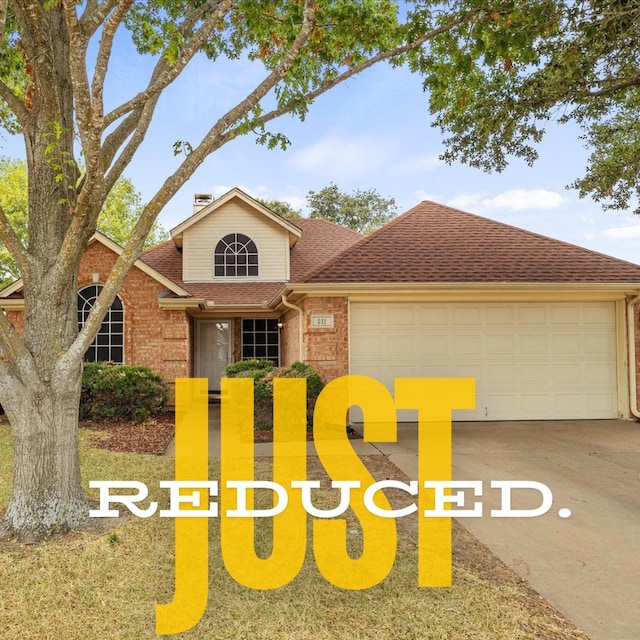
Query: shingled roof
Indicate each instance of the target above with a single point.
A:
(436, 243)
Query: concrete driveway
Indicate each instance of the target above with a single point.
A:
(587, 565)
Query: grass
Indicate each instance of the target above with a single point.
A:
(93, 585)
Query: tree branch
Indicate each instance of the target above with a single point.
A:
(10, 239)
(164, 74)
(117, 138)
(78, 43)
(355, 70)
(13, 349)
(95, 14)
(14, 103)
(104, 55)
(614, 88)
(133, 248)
(139, 133)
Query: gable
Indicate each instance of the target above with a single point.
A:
(235, 216)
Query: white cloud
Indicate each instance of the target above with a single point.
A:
(512, 200)
(470, 201)
(340, 156)
(623, 233)
(521, 199)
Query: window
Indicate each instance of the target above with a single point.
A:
(261, 339)
(109, 343)
(235, 255)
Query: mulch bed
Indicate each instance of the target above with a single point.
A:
(152, 436)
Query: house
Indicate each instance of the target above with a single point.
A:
(548, 329)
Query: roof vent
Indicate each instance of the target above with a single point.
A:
(201, 200)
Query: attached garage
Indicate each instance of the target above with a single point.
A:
(531, 360)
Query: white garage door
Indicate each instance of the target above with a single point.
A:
(530, 360)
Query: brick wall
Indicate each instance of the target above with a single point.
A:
(290, 338)
(327, 349)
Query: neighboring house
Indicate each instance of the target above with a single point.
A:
(549, 330)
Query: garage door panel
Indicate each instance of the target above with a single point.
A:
(530, 360)
(401, 316)
(533, 344)
(434, 345)
(568, 344)
(599, 374)
(500, 344)
(506, 375)
(568, 374)
(503, 315)
(437, 315)
(530, 315)
(600, 404)
(567, 404)
(598, 315)
(564, 314)
(535, 375)
(598, 343)
(467, 345)
(404, 345)
(467, 315)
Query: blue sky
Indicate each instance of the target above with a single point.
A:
(371, 132)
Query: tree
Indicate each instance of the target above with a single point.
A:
(282, 208)
(55, 80)
(495, 84)
(362, 211)
(118, 216)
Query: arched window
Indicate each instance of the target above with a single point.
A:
(235, 255)
(109, 343)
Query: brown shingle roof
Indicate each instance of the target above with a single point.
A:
(435, 243)
(321, 241)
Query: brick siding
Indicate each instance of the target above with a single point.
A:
(327, 349)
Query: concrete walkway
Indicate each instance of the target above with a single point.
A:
(587, 565)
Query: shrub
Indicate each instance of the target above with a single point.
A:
(121, 391)
(253, 366)
(263, 372)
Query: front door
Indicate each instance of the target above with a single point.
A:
(214, 350)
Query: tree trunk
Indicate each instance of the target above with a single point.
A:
(47, 495)
(41, 391)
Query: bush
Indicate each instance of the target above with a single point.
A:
(121, 391)
(263, 372)
(253, 366)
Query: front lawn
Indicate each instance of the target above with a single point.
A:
(97, 585)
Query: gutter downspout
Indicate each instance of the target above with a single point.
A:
(632, 356)
(286, 303)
